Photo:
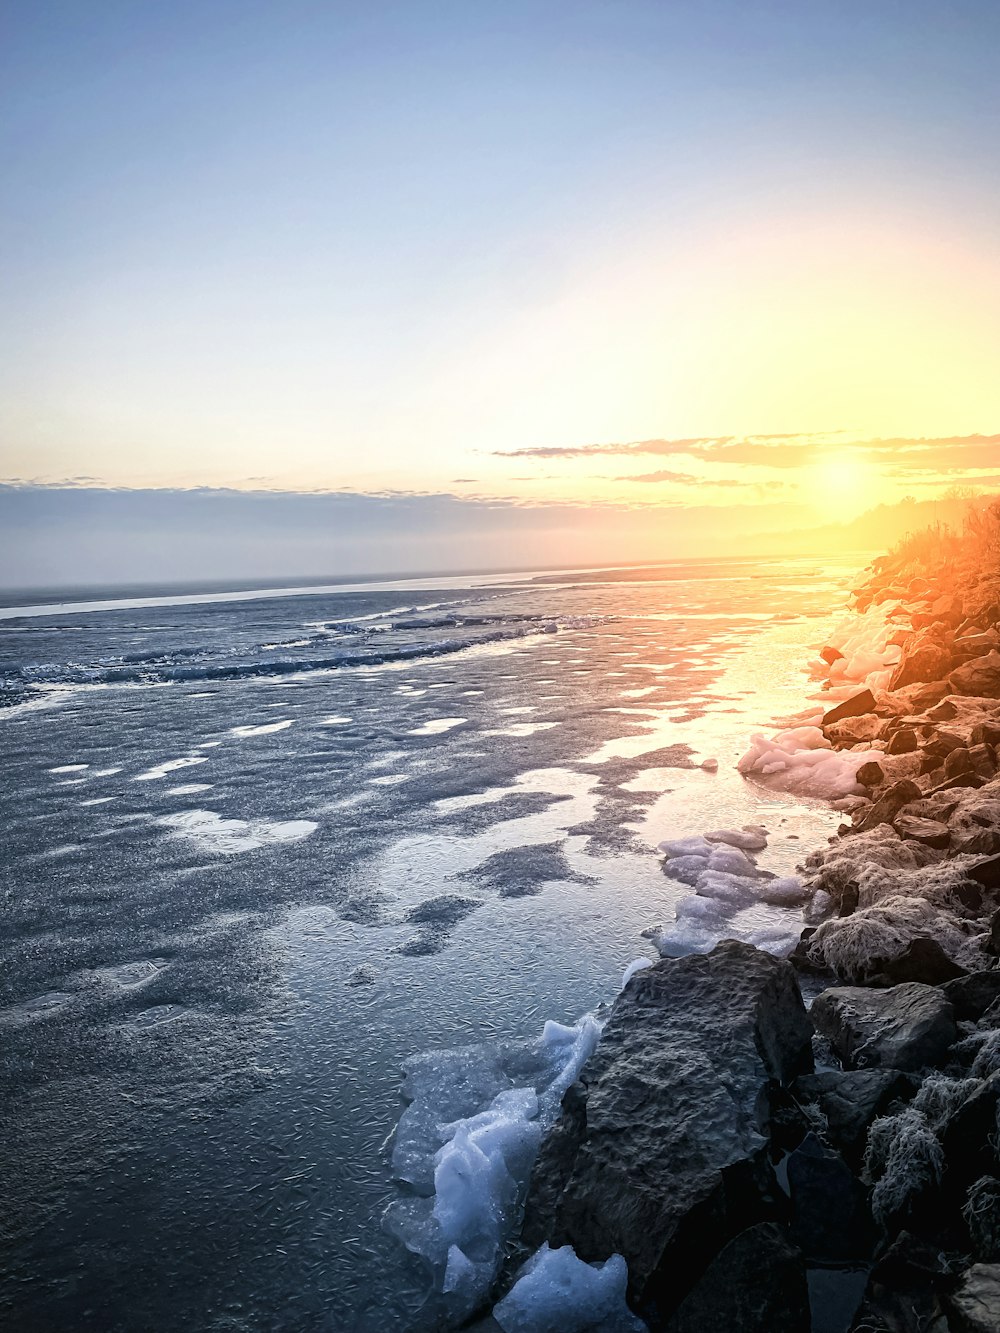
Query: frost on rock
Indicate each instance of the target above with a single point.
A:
(466, 1145)
(556, 1292)
(803, 761)
(904, 1156)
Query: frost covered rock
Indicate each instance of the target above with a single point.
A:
(660, 1154)
(850, 1100)
(889, 804)
(756, 1284)
(904, 1027)
(556, 1292)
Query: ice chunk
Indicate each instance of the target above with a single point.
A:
(710, 911)
(750, 838)
(732, 861)
(467, 1143)
(803, 761)
(735, 889)
(786, 892)
(685, 869)
(636, 965)
(214, 834)
(556, 1292)
(671, 847)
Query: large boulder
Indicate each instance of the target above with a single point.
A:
(970, 996)
(903, 1027)
(660, 1154)
(980, 676)
(830, 1217)
(925, 660)
(756, 1284)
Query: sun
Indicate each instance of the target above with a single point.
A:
(846, 480)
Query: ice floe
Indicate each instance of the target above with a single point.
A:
(436, 726)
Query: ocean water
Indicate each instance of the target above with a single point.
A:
(259, 851)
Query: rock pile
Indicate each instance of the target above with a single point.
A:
(751, 1192)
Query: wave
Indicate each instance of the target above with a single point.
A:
(18, 685)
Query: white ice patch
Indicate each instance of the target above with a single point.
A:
(468, 1140)
(69, 768)
(803, 761)
(335, 721)
(168, 766)
(520, 729)
(189, 788)
(228, 836)
(98, 800)
(437, 725)
(636, 965)
(264, 729)
(104, 772)
(556, 1292)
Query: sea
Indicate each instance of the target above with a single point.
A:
(263, 846)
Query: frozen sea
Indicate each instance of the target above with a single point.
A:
(261, 849)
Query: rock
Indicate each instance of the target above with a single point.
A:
(970, 996)
(660, 1154)
(985, 733)
(976, 842)
(901, 1296)
(855, 730)
(855, 706)
(982, 761)
(850, 1099)
(966, 1136)
(923, 959)
(929, 695)
(980, 676)
(922, 662)
(908, 1026)
(974, 1305)
(927, 831)
(903, 741)
(830, 655)
(889, 804)
(830, 1217)
(977, 645)
(943, 711)
(870, 774)
(957, 761)
(986, 873)
(756, 1284)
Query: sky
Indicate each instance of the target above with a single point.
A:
(690, 256)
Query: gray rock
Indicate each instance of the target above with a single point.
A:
(974, 1305)
(851, 1099)
(980, 676)
(661, 1151)
(889, 804)
(871, 774)
(972, 995)
(904, 1027)
(930, 832)
(756, 1284)
(923, 959)
(903, 741)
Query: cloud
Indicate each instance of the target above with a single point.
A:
(899, 456)
(682, 479)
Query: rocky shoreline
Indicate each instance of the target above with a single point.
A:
(764, 1167)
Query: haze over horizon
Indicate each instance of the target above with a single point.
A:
(576, 280)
